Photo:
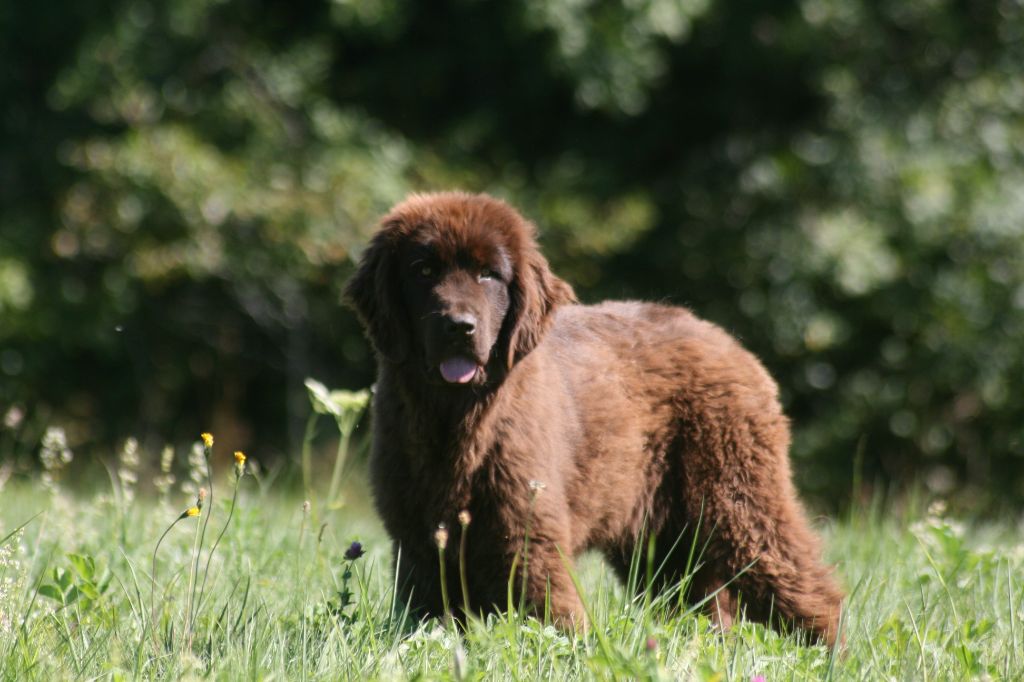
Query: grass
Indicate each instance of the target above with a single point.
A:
(930, 598)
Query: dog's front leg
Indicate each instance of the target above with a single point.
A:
(546, 573)
(417, 580)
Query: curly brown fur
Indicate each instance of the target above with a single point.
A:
(637, 418)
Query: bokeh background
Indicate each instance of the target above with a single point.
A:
(184, 185)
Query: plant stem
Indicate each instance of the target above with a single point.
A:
(209, 557)
(205, 521)
(192, 574)
(526, 553)
(345, 427)
(462, 570)
(307, 439)
(444, 584)
(152, 578)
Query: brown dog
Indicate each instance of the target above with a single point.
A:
(580, 426)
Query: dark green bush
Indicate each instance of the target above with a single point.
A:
(184, 185)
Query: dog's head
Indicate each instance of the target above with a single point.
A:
(454, 283)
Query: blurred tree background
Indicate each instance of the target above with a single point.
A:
(184, 186)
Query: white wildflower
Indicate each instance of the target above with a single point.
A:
(167, 459)
(127, 473)
(13, 417)
(54, 454)
(12, 576)
(197, 469)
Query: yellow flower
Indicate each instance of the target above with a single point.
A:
(207, 439)
(192, 511)
(239, 457)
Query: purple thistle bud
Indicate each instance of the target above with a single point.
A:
(354, 551)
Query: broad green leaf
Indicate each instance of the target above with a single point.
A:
(51, 592)
(83, 565)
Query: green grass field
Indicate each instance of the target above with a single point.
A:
(930, 598)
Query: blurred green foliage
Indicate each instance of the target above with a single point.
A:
(184, 185)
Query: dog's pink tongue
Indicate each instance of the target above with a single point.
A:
(458, 370)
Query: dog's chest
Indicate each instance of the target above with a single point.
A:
(421, 485)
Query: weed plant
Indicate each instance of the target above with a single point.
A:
(126, 586)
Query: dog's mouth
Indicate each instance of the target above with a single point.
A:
(459, 369)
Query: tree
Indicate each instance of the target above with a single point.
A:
(836, 182)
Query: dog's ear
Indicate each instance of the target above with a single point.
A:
(375, 294)
(535, 294)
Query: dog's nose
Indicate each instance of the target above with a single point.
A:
(460, 324)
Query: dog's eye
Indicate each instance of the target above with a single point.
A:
(426, 271)
(486, 273)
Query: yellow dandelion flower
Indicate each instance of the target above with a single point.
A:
(207, 439)
(239, 457)
(192, 511)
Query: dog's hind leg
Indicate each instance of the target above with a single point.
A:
(761, 554)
